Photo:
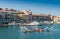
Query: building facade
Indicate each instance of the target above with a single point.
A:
(8, 15)
(56, 18)
(41, 17)
(26, 16)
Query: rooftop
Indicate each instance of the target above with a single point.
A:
(8, 10)
(40, 15)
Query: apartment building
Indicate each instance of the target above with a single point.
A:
(41, 17)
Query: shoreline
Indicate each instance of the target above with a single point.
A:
(6, 25)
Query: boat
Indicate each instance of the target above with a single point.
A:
(26, 30)
(38, 30)
(31, 24)
(46, 23)
(12, 23)
(3, 25)
(58, 22)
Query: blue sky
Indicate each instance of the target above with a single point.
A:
(37, 6)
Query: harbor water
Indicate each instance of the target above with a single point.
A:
(16, 33)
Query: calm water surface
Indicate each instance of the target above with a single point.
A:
(14, 33)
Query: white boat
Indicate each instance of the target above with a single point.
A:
(33, 24)
(13, 23)
(58, 22)
(46, 22)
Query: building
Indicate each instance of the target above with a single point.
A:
(26, 16)
(8, 15)
(56, 18)
(41, 17)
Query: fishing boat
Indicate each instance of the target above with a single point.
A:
(25, 30)
(36, 30)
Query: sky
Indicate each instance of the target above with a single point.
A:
(36, 6)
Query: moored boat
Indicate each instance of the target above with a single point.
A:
(12, 23)
(32, 23)
(37, 30)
